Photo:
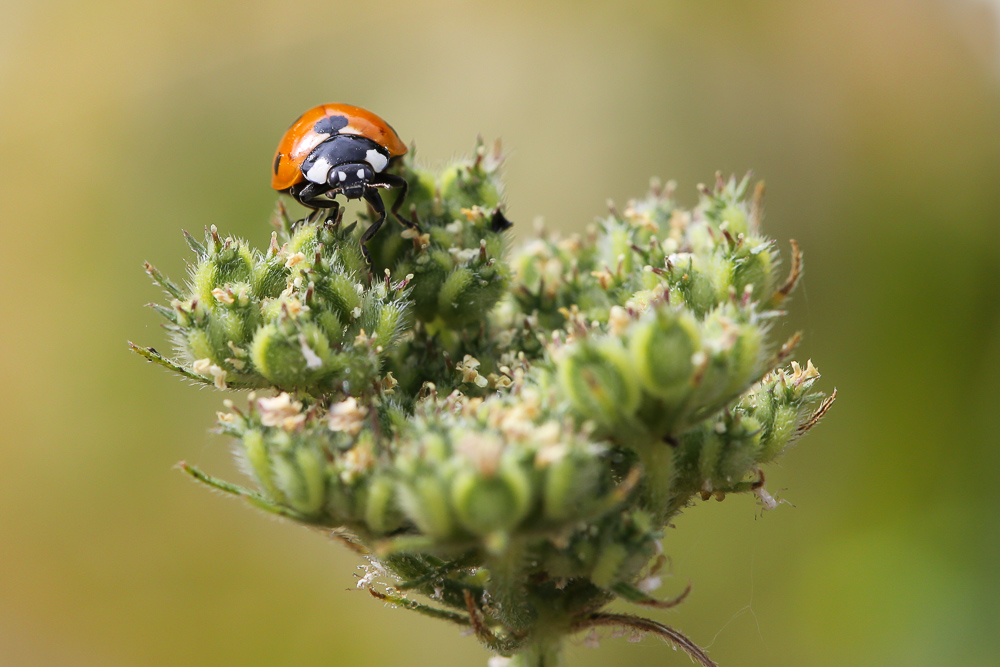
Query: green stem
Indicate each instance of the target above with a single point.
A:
(542, 652)
(658, 475)
(508, 587)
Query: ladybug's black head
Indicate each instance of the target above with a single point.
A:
(350, 179)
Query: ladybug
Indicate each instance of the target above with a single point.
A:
(339, 149)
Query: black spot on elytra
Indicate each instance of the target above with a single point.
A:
(277, 161)
(330, 124)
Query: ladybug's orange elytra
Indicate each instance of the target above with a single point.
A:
(302, 138)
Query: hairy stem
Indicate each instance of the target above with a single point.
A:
(646, 625)
(658, 475)
(543, 652)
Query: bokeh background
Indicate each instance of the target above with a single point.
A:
(876, 124)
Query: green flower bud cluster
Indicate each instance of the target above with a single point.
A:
(484, 471)
(302, 315)
(457, 261)
(717, 456)
(316, 464)
(655, 251)
(658, 372)
(507, 438)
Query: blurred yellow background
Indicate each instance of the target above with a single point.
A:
(876, 124)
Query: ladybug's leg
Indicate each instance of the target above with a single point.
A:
(306, 191)
(392, 181)
(332, 212)
(308, 195)
(302, 193)
(372, 197)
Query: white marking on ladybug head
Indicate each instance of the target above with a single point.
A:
(361, 173)
(342, 176)
(319, 171)
(376, 159)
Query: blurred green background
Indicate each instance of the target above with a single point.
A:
(876, 124)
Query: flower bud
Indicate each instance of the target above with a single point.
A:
(753, 267)
(572, 485)
(733, 355)
(663, 345)
(486, 504)
(269, 278)
(466, 296)
(785, 407)
(600, 380)
(734, 218)
(256, 455)
(233, 262)
(463, 185)
(290, 355)
(781, 429)
(425, 502)
(700, 281)
(299, 477)
(200, 346)
(381, 513)
(741, 449)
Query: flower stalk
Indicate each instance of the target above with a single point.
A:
(542, 653)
